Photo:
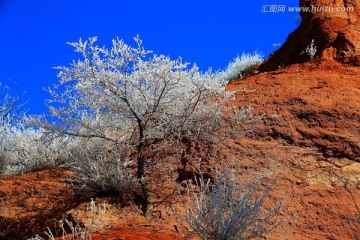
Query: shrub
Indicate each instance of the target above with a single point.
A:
(227, 210)
(311, 50)
(25, 150)
(75, 230)
(101, 170)
(353, 220)
(8, 107)
(239, 65)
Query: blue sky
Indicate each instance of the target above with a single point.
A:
(33, 34)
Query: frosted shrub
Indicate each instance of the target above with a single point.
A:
(71, 230)
(127, 96)
(229, 210)
(102, 170)
(8, 107)
(311, 50)
(24, 150)
(239, 65)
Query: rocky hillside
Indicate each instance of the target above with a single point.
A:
(306, 131)
(308, 134)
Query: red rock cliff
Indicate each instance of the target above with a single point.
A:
(333, 24)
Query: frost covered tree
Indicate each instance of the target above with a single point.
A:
(130, 97)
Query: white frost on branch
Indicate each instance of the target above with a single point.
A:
(126, 94)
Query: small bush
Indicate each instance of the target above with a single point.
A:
(227, 210)
(25, 150)
(311, 50)
(239, 65)
(75, 230)
(101, 170)
(353, 220)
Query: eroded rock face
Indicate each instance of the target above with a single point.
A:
(311, 137)
(333, 24)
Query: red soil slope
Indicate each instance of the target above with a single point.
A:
(29, 202)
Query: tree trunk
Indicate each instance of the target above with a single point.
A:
(144, 198)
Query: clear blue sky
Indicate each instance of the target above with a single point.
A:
(33, 33)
